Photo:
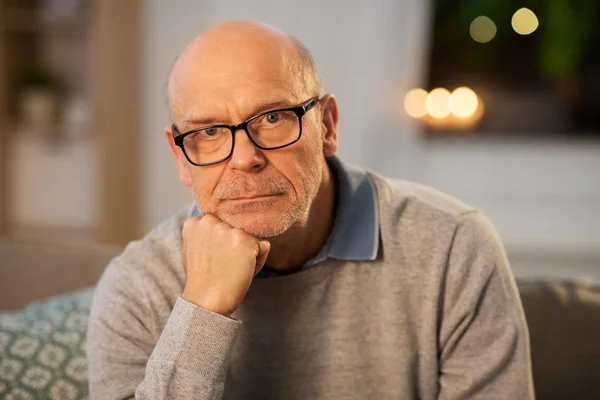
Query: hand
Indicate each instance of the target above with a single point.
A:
(220, 262)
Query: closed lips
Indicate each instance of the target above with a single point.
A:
(254, 196)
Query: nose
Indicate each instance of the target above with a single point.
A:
(246, 156)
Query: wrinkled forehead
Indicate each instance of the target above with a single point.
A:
(214, 80)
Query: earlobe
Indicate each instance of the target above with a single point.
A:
(180, 161)
(329, 125)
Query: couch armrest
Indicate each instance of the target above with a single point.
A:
(564, 326)
(30, 271)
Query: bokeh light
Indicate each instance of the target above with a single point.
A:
(438, 103)
(525, 22)
(464, 102)
(414, 103)
(483, 29)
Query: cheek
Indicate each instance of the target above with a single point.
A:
(304, 173)
(311, 152)
(204, 183)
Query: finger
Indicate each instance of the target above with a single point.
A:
(264, 246)
(186, 233)
(184, 239)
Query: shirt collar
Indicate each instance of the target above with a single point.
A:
(355, 234)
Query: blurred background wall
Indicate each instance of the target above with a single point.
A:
(527, 152)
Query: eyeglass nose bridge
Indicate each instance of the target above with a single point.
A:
(243, 126)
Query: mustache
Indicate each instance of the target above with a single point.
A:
(240, 186)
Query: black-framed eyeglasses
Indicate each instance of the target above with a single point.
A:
(270, 130)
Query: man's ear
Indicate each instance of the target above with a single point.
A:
(329, 120)
(180, 160)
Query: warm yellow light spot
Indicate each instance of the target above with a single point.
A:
(464, 102)
(525, 22)
(414, 103)
(438, 103)
(483, 29)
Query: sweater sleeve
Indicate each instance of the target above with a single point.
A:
(127, 359)
(483, 336)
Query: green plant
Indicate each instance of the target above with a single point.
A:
(565, 29)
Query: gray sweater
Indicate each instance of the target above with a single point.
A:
(436, 315)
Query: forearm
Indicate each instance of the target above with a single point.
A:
(189, 360)
(191, 357)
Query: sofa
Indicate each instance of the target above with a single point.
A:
(42, 342)
(45, 295)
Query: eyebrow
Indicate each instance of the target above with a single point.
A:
(259, 110)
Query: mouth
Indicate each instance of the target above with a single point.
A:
(253, 198)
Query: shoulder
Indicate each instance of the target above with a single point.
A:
(395, 193)
(408, 205)
(438, 242)
(149, 270)
(416, 218)
(161, 246)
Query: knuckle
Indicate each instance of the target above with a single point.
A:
(207, 220)
(222, 228)
(210, 219)
(239, 235)
(188, 227)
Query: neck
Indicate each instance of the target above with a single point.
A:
(291, 250)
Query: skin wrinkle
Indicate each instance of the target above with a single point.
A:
(227, 75)
(193, 122)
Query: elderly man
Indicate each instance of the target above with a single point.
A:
(294, 275)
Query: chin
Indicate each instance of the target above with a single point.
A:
(262, 224)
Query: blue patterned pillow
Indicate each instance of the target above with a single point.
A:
(42, 349)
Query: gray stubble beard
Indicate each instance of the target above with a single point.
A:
(295, 215)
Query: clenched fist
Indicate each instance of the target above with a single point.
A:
(220, 262)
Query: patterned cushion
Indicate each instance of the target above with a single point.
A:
(42, 349)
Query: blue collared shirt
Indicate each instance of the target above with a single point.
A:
(355, 233)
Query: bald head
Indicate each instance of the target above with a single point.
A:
(241, 51)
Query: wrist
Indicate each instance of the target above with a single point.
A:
(209, 303)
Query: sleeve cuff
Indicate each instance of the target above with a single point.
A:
(197, 340)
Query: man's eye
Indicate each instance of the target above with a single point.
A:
(210, 131)
(273, 118)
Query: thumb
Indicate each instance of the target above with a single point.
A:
(264, 246)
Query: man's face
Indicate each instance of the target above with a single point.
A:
(263, 192)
